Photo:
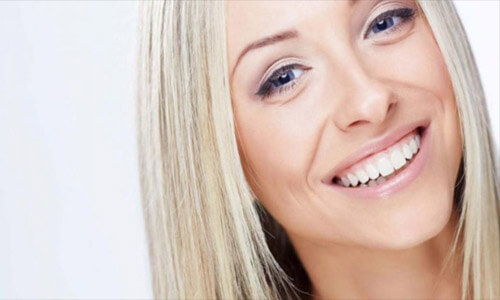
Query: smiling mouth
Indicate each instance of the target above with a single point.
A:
(383, 165)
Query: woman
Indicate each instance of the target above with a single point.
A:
(336, 149)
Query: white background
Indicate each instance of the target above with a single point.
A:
(70, 219)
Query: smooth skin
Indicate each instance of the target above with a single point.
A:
(349, 88)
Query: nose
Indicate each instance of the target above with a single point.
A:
(366, 101)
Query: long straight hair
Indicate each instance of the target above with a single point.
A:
(478, 232)
(205, 234)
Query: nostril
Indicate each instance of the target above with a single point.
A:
(358, 122)
(391, 107)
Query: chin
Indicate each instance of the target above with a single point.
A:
(413, 226)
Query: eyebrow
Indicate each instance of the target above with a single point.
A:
(269, 40)
(273, 39)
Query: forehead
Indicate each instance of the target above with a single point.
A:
(248, 21)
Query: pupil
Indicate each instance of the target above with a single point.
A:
(384, 24)
(284, 78)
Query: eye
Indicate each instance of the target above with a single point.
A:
(390, 21)
(281, 80)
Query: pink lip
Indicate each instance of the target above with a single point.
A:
(398, 182)
(377, 145)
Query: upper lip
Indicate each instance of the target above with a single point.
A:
(376, 145)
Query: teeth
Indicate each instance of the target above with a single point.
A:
(413, 146)
(397, 159)
(407, 152)
(345, 181)
(372, 171)
(362, 176)
(352, 179)
(384, 166)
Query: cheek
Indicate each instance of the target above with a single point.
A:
(278, 142)
(433, 75)
(417, 62)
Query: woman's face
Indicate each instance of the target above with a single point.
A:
(327, 96)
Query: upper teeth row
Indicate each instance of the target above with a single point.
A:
(384, 164)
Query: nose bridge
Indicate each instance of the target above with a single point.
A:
(366, 99)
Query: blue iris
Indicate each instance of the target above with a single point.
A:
(384, 24)
(283, 79)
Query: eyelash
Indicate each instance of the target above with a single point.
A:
(266, 89)
(406, 14)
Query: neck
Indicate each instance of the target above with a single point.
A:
(340, 271)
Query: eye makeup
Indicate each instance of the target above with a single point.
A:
(386, 20)
(281, 80)
(284, 79)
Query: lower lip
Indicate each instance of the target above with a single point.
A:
(398, 182)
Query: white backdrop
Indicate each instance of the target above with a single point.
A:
(481, 19)
(70, 218)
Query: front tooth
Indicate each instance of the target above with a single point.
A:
(362, 176)
(372, 171)
(384, 166)
(345, 181)
(413, 146)
(407, 152)
(397, 159)
(353, 179)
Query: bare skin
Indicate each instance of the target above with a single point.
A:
(349, 84)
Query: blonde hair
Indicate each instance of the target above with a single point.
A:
(205, 236)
